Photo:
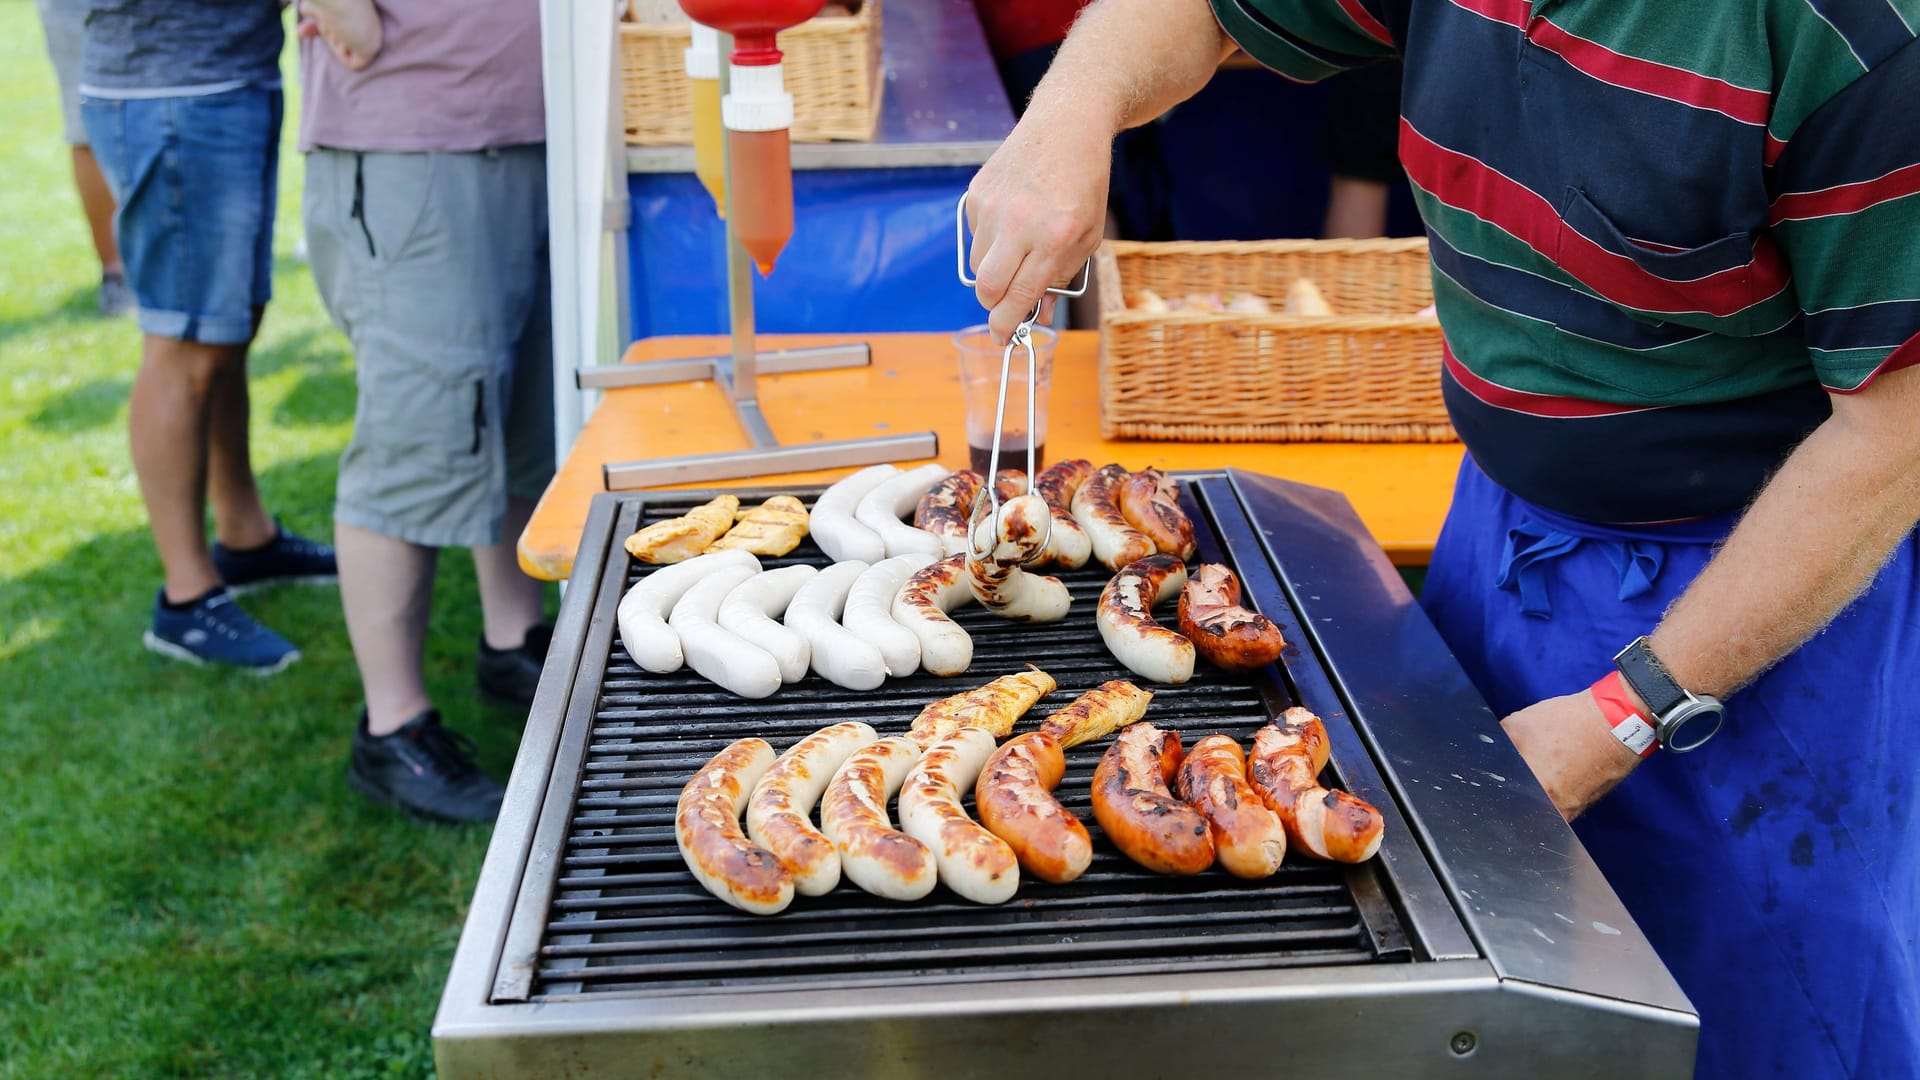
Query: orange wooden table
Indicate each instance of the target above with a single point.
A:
(1401, 490)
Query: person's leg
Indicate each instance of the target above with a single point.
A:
(510, 601)
(386, 591)
(97, 201)
(240, 519)
(167, 419)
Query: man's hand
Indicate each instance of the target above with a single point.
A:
(1571, 750)
(351, 29)
(1037, 209)
(1039, 205)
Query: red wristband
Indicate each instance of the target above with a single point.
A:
(1623, 715)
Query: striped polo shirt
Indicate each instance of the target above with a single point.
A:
(1663, 231)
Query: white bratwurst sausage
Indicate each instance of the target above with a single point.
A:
(724, 658)
(780, 810)
(642, 613)
(706, 825)
(751, 610)
(840, 657)
(873, 854)
(922, 606)
(973, 862)
(1125, 617)
(833, 525)
(869, 613)
(882, 508)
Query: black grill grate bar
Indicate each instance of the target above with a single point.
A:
(1339, 918)
(1203, 903)
(738, 964)
(1238, 960)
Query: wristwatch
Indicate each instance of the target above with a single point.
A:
(1681, 720)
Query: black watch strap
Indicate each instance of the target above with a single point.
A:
(1649, 678)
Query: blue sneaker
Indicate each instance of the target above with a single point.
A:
(214, 630)
(287, 559)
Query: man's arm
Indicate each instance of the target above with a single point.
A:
(1812, 542)
(1039, 204)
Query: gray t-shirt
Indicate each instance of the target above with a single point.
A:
(135, 48)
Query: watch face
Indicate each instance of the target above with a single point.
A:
(1691, 726)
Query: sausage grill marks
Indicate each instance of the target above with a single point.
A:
(943, 510)
(996, 577)
(853, 814)
(1139, 814)
(780, 810)
(1249, 838)
(922, 605)
(1229, 636)
(1125, 618)
(1096, 506)
(1287, 758)
(1014, 797)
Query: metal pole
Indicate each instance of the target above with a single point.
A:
(746, 389)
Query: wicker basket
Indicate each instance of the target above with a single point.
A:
(832, 71)
(1370, 373)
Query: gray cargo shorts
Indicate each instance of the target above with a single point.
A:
(435, 267)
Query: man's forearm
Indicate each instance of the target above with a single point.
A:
(1813, 541)
(1128, 61)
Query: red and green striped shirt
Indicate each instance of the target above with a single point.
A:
(1662, 231)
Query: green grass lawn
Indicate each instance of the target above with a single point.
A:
(187, 887)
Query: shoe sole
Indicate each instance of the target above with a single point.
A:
(162, 647)
(307, 580)
(382, 797)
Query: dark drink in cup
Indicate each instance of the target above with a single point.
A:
(1013, 455)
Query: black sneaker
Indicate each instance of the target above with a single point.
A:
(424, 768)
(510, 676)
(287, 559)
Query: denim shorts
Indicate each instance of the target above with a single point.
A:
(196, 179)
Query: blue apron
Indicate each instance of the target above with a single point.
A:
(1777, 869)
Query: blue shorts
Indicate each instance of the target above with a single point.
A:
(1777, 869)
(196, 180)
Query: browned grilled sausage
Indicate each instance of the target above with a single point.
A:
(1015, 801)
(943, 510)
(707, 827)
(1068, 545)
(1150, 502)
(1287, 758)
(1227, 635)
(1096, 506)
(997, 579)
(1125, 618)
(1248, 837)
(1015, 794)
(1137, 811)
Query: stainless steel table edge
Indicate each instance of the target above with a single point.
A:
(505, 863)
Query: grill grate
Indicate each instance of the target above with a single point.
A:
(626, 917)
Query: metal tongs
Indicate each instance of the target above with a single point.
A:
(988, 501)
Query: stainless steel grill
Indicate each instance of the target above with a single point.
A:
(1472, 940)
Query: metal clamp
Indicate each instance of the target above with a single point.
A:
(988, 501)
(966, 278)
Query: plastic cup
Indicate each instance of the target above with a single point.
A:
(980, 387)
